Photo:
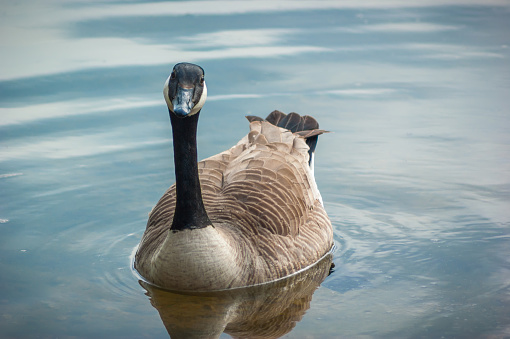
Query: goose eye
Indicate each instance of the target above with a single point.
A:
(201, 80)
(172, 76)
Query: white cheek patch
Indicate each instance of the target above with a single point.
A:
(167, 98)
(200, 102)
(195, 109)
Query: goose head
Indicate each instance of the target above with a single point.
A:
(185, 90)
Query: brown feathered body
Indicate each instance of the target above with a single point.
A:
(267, 216)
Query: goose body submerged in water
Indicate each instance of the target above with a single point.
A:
(246, 216)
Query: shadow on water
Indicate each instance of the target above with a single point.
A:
(265, 311)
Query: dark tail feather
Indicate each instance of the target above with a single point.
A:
(305, 126)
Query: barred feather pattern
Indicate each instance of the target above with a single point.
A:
(262, 196)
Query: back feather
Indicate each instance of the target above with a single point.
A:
(304, 126)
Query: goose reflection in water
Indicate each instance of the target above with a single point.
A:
(265, 311)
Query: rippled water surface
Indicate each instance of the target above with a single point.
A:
(415, 176)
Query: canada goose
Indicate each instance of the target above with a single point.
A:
(246, 216)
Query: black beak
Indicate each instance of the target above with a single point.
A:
(183, 101)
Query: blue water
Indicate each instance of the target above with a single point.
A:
(415, 176)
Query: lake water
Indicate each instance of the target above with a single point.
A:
(415, 176)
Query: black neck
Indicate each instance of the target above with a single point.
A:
(189, 209)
